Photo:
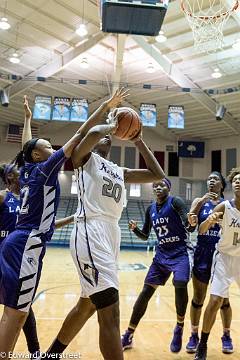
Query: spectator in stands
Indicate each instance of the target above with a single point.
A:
(169, 219)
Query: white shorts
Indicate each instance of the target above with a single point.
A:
(95, 245)
(225, 270)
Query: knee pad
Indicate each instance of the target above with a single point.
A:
(225, 306)
(105, 298)
(196, 306)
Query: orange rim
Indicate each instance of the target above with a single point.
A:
(226, 13)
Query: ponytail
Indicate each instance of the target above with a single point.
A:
(19, 159)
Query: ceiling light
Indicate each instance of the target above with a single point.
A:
(161, 38)
(236, 45)
(4, 24)
(82, 30)
(216, 74)
(14, 58)
(84, 63)
(150, 68)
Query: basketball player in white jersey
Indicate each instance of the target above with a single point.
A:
(95, 238)
(225, 268)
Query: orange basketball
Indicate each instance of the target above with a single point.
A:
(129, 123)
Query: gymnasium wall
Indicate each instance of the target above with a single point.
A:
(193, 171)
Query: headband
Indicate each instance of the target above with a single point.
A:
(27, 152)
(167, 182)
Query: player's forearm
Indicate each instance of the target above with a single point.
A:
(204, 226)
(150, 160)
(27, 132)
(98, 117)
(140, 234)
(71, 144)
(65, 221)
(196, 207)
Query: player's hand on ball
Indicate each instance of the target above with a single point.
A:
(28, 112)
(138, 137)
(192, 219)
(215, 217)
(113, 121)
(132, 224)
(117, 97)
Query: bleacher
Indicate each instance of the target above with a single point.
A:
(135, 210)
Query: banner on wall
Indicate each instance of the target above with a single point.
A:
(61, 108)
(79, 110)
(42, 107)
(175, 117)
(192, 149)
(148, 114)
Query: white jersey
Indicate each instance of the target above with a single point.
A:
(100, 186)
(229, 242)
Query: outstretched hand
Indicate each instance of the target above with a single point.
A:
(27, 110)
(117, 98)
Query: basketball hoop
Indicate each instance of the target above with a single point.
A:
(207, 23)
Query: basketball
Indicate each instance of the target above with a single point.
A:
(129, 124)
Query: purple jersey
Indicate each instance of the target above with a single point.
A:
(211, 237)
(171, 233)
(9, 210)
(40, 194)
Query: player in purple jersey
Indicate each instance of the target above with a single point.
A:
(203, 256)
(9, 199)
(95, 239)
(23, 250)
(9, 209)
(225, 268)
(168, 217)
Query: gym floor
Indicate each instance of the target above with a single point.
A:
(59, 290)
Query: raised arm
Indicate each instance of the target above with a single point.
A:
(212, 219)
(153, 173)
(98, 117)
(82, 152)
(27, 132)
(198, 202)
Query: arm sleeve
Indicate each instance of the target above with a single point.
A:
(181, 208)
(53, 164)
(144, 233)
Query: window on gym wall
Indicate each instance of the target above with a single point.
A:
(135, 190)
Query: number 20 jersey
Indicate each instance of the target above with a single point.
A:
(100, 187)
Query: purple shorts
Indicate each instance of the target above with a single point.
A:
(202, 265)
(21, 255)
(161, 269)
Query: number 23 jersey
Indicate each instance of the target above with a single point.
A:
(100, 187)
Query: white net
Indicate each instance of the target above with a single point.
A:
(207, 19)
